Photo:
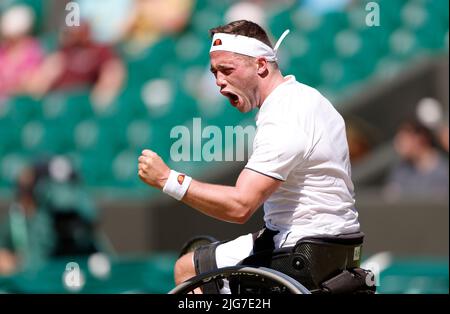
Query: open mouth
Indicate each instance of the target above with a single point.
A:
(233, 98)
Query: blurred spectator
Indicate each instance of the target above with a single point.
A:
(152, 19)
(360, 137)
(20, 54)
(107, 21)
(50, 217)
(443, 136)
(80, 62)
(422, 170)
(248, 10)
(430, 112)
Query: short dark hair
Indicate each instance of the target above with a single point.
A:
(244, 28)
(414, 126)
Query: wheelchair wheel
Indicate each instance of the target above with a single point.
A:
(245, 280)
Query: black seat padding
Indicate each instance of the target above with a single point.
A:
(313, 259)
(347, 239)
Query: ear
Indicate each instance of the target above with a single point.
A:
(261, 64)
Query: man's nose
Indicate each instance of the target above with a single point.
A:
(220, 81)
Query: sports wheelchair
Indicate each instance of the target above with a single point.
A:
(315, 265)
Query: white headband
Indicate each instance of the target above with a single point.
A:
(245, 45)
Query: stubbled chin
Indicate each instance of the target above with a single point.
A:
(241, 107)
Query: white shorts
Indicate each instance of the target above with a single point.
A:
(224, 254)
(232, 252)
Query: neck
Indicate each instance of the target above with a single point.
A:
(269, 84)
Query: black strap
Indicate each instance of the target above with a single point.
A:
(205, 261)
(349, 281)
(264, 240)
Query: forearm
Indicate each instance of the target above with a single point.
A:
(229, 203)
(221, 202)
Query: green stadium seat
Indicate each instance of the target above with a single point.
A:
(66, 107)
(206, 15)
(306, 69)
(438, 9)
(86, 134)
(387, 67)
(158, 96)
(127, 274)
(279, 21)
(403, 44)
(94, 167)
(21, 109)
(192, 49)
(124, 168)
(92, 135)
(38, 137)
(139, 134)
(34, 136)
(11, 165)
(415, 275)
(9, 129)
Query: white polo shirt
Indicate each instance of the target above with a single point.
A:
(301, 140)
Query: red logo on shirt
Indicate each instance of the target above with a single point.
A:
(180, 178)
(217, 42)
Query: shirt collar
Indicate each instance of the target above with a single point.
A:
(266, 103)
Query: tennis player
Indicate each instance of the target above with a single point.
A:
(299, 168)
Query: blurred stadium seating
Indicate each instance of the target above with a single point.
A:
(415, 275)
(331, 52)
(127, 274)
(154, 274)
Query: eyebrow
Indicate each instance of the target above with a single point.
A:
(220, 67)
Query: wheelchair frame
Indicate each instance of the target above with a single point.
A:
(251, 277)
(272, 279)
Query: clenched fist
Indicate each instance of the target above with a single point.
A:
(152, 169)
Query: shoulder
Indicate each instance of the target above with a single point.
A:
(301, 98)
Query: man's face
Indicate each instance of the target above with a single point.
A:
(237, 78)
(408, 144)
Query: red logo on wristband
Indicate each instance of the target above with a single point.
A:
(180, 178)
(217, 42)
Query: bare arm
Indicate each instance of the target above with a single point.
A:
(232, 203)
(229, 203)
(50, 70)
(109, 84)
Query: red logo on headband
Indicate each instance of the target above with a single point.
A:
(180, 179)
(217, 42)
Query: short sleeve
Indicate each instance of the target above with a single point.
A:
(276, 150)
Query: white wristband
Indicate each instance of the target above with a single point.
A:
(177, 184)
